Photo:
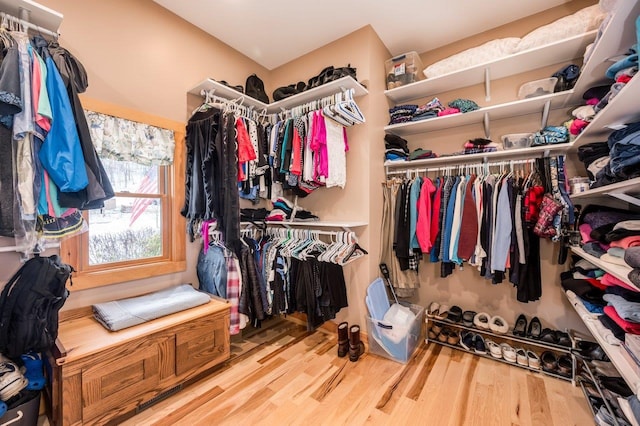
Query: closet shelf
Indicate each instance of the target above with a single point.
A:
(617, 37)
(613, 352)
(628, 190)
(510, 337)
(480, 157)
(622, 110)
(36, 13)
(539, 57)
(319, 92)
(619, 271)
(494, 112)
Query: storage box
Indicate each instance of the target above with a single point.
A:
(383, 343)
(536, 88)
(25, 413)
(517, 140)
(403, 69)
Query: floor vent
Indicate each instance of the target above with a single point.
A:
(164, 395)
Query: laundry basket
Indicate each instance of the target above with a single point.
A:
(25, 413)
(384, 341)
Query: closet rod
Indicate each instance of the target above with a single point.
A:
(509, 163)
(28, 24)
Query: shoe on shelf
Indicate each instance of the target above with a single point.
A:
(548, 335)
(467, 340)
(444, 335)
(455, 314)
(481, 320)
(535, 328)
(565, 365)
(468, 317)
(520, 329)
(443, 312)
(480, 347)
(521, 357)
(434, 309)
(454, 338)
(436, 328)
(563, 338)
(590, 351)
(431, 335)
(533, 359)
(499, 325)
(494, 349)
(508, 353)
(549, 362)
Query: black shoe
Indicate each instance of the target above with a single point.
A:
(548, 335)
(343, 339)
(549, 362)
(520, 328)
(563, 338)
(535, 328)
(455, 314)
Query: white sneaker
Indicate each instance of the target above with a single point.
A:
(494, 349)
(508, 352)
(11, 380)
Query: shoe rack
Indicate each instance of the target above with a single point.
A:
(515, 341)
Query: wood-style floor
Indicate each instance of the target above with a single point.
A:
(284, 375)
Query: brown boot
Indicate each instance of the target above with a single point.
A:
(343, 339)
(356, 347)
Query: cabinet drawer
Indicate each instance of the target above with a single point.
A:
(202, 343)
(112, 385)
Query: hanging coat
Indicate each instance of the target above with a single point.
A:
(99, 188)
(61, 153)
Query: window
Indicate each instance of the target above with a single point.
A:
(139, 233)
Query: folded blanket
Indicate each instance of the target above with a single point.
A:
(125, 313)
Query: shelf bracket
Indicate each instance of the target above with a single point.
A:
(486, 126)
(487, 84)
(626, 198)
(545, 114)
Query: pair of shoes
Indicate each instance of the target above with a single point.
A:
(454, 314)
(508, 353)
(494, 349)
(11, 380)
(473, 342)
(590, 351)
(448, 335)
(555, 337)
(551, 363)
(497, 324)
(468, 317)
(533, 330)
(527, 358)
(438, 311)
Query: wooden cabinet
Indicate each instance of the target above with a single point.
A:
(99, 375)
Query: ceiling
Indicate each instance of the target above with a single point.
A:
(275, 32)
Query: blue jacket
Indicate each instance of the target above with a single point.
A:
(61, 153)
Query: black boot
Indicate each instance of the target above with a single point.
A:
(343, 339)
(356, 347)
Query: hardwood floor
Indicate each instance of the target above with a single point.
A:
(284, 375)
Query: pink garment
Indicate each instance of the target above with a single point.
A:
(423, 224)
(296, 154)
(610, 281)
(626, 242)
(435, 219)
(319, 147)
(346, 140)
(448, 111)
(629, 327)
(577, 126)
(585, 233)
(593, 101)
(623, 78)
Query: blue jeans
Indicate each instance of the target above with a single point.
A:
(212, 271)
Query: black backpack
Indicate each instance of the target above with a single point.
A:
(29, 306)
(254, 87)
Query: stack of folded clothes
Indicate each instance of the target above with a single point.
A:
(421, 154)
(479, 145)
(463, 105)
(402, 113)
(429, 110)
(395, 148)
(284, 210)
(595, 157)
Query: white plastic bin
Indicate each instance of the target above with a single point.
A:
(383, 341)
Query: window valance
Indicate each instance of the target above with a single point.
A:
(120, 139)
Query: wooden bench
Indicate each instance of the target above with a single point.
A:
(99, 375)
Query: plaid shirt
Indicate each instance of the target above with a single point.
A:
(233, 293)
